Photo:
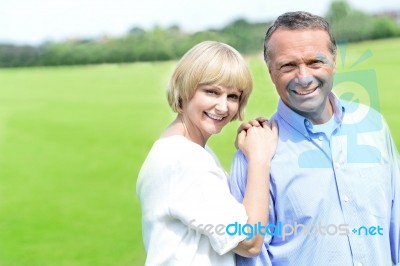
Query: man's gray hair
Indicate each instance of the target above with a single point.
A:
(298, 20)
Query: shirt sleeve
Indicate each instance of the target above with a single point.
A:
(237, 185)
(394, 231)
(201, 200)
(238, 176)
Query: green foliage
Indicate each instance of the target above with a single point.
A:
(338, 10)
(244, 36)
(356, 26)
(351, 25)
(11, 55)
(384, 27)
(161, 44)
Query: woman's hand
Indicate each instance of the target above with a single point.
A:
(246, 125)
(258, 141)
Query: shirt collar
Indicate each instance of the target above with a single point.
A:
(338, 109)
(300, 123)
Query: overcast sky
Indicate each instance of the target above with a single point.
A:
(36, 21)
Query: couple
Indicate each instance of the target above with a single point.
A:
(332, 173)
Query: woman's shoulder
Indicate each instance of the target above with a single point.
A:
(177, 142)
(174, 155)
(177, 150)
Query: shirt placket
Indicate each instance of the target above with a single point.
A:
(346, 194)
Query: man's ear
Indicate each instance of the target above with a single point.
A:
(270, 75)
(334, 65)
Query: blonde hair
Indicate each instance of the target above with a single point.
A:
(208, 63)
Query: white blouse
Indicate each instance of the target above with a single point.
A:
(186, 204)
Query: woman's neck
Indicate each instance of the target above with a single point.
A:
(182, 127)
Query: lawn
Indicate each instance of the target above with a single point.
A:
(72, 140)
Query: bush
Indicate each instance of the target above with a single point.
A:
(384, 27)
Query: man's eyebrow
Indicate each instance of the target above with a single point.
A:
(323, 58)
(285, 62)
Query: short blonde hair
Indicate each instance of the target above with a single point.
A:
(208, 63)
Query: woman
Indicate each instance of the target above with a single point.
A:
(185, 199)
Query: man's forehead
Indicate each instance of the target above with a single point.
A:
(311, 42)
(285, 36)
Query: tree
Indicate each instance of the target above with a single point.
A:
(338, 10)
(384, 27)
(136, 31)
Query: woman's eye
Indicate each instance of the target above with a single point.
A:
(233, 97)
(211, 92)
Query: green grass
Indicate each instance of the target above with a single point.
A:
(72, 140)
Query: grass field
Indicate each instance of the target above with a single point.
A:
(72, 140)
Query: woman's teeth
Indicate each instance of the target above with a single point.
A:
(215, 117)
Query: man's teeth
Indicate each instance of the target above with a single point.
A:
(300, 92)
(219, 118)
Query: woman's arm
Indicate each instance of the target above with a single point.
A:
(258, 144)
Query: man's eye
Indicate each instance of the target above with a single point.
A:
(287, 68)
(316, 63)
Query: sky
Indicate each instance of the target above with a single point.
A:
(37, 21)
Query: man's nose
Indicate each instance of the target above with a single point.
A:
(303, 78)
(304, 81)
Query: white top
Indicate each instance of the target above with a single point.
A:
(181, 185)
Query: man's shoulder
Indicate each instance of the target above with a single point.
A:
(357, 105)
(275, 116)
(356, 112)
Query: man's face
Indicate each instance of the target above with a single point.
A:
(302, 68)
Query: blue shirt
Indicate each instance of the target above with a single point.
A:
(334, 191)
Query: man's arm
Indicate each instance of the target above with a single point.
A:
(238, 176)
(394, 230)
(237, 185)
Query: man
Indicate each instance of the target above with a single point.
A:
(335, 188)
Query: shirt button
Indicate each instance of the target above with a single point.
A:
(321, 138)
(345, 198)
(307, 123)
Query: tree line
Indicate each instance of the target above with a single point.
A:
(159, 44)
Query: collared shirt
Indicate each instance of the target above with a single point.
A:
(334, 191)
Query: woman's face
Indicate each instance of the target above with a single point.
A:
(210, 109)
